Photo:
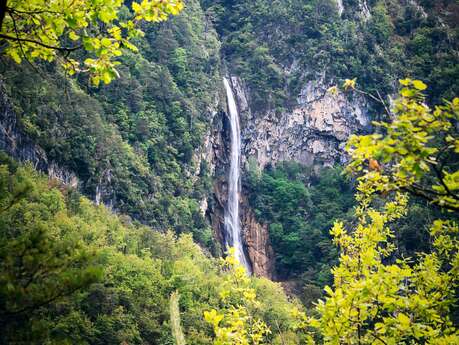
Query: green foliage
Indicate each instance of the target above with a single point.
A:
(278, 46)
(51, 30)
(376, 299)
(377, 303)
(136, 140)
(418, 150)
(74, 273)
(299, 210)
(253, 310)
(43, 256)
(237, 324)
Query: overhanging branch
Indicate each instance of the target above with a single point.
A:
(18, 39)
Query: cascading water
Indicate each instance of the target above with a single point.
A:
(232, 221)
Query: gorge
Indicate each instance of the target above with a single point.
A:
(162, 133)
(142, 134)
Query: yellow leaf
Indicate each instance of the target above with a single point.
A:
(419, 85)
(405, 82)
(349, 84)
(106, 42)
(107, 77)
(73, 36)
(15, 56)
(333, 90)
(136, 7)
(404, 321)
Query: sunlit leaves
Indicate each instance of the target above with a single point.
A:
(419, 142)
(419, 85)
(156, 10)
(51, 30)
(377, 303)
(238, 324)
(374, 300)
(333, 90)
(349, 84)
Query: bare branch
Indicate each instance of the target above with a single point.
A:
(13, 10)
(61, 49)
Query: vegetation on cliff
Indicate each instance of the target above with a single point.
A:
(134, 143)
(300, 210)
(75, 272)
(278, 46)
(72, 272)
(378, 297)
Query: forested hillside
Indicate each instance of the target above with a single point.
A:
(74, 273)
(127, 130)
(276, 46)
(132, 143)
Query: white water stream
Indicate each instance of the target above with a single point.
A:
(232, 221)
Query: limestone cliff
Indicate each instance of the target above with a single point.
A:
(257, 242)
(313, 132)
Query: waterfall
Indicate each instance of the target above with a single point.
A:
(339, 4)
(232, 221)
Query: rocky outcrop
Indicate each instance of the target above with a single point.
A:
(214, 151)
(12, 139)
(255, 235)
(257, 243)
(216, 211)
(313, 132)
(17, 144)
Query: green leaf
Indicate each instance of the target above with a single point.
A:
(15, 56)
(407, 92)
(106, 42)
(73, 36)
(404, 321)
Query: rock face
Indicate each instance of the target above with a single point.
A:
(12, 139)
(16, 143)
(313, 133)
(258, 245)
(215, 152)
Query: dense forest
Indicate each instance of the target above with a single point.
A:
(115, 153)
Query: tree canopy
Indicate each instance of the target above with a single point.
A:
(75, 273)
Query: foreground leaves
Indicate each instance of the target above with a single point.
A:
(51, 30)
(376, 298)
(237, 325)
(418, 151)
